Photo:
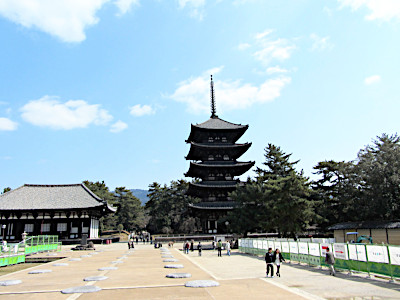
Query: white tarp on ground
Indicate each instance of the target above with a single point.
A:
(293, 247)
(313, 249)
(394, 253)
(377, 254)
(340, 251)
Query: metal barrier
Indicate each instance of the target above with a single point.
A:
(14, 253)
(376, 259)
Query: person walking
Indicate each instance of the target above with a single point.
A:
(192, 246)
(199, 248)
(269, 259)
(219, 248)
(277, 259)
(228, 248)
(187, 247)
(330, 260)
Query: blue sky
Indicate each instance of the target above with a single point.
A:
(107, 90)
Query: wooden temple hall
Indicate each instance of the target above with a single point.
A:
(68, 210)
(213, 154)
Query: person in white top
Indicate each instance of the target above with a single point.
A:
(228, 248)
(277, 259)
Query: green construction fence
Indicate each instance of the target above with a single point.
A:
(374, 258)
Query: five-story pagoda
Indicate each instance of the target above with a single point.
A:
(213, 154)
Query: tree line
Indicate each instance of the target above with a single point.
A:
(279, 198)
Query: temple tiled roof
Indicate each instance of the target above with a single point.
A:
(366, 225)
(217, 123)
(214, 205)
(42, 197)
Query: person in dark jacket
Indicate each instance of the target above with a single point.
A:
(269, 261)
(277, 259)
(330, 260)
(199, 248)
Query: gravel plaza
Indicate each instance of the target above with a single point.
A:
(114, 272)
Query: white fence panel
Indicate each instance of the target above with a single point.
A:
(293, 247)
(377, 254)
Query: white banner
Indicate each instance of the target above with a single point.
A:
(259, 244)
(361, 254)
(303, 248)
(278, 245)
(285, 247)
(340, 251)
(377, 254)
(293, 247)
(323, 249)
(271, 245)
(313, 249)
(240, 242)
(265, 245)
(352, 252)
(254, 244)
(394, 253)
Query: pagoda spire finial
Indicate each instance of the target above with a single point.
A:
(212, 96)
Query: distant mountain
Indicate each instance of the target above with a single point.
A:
(141, 195)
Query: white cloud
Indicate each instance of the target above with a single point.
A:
(141, 110)
(243, 46)
(64, 19)
(49, 112)
(7, 125)
(320, 43)
(196, 8)
(263, 34)
(125, 5)
(230, 95)
(372, 79)
(270, 49)
(118, 126)
(385, 10)
(276, 69)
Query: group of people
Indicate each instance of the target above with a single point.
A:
(143, 238)
(190, 247)
(276, 258)
(271, 259)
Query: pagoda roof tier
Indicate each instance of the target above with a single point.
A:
(215, 183)
(215, 205)
(200, 151)
(202, 170)
(216, 125)
(204, 188)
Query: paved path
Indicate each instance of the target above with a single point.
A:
(142, 276)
